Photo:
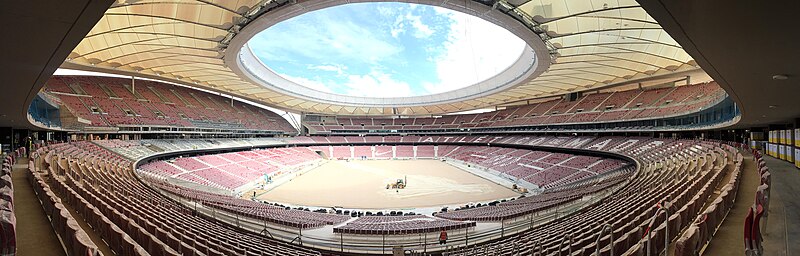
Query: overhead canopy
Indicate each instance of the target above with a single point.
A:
(594, 44)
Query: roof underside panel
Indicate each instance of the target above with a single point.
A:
(598, 43)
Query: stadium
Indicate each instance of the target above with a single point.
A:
(469, 127)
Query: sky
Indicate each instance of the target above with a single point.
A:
(386, 49)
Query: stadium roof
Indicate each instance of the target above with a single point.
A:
(587, 44)
(741, 56)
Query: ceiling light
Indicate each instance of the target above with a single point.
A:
(773, 106)
(780, 77)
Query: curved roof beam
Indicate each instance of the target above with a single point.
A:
(599, 31)
(182, 62)
(198, 69)
(602, 54)
(140, 41)
(167, 18)
(618, 43)
(555, 81)
(168, 57)
(588, 12)
(201, 3)
(588, 71)
(132, 27)
(597, 62)
(152, 51)
(572, 76)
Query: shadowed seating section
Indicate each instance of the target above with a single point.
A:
(399, 225)
(540, 168)
(135, 219)
(690, 182)
(626, 105)
(75, 239)
(520, 207)
(114, 102)
(8, 221)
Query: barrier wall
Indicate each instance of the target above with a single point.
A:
(784, 145)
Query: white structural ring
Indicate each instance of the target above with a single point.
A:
(532, 62)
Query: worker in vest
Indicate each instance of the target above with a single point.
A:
(443, 237)
(29, 146)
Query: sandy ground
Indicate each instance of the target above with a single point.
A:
(362, 185)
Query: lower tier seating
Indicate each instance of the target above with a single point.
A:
(399, 225)
(135, 219)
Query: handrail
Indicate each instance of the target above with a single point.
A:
(266, 232)
(566, 236)
(661, 208)
(599, 236)
(537, 248)
(299, 240)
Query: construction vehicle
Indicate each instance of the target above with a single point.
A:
(399, 184)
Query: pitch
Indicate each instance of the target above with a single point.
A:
(362, 185)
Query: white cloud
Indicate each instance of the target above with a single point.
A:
(376, 84)
(398, 27)
(320, 38)
(421, 30)
(315, 84)
(469, 56)
(339, 69)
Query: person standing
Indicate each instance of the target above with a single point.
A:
(29, 146)
(443, 237)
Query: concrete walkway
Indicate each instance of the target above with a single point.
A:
(35, 235)
(783, 224)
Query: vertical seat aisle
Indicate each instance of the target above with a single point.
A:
(728, 239)
(35, 236)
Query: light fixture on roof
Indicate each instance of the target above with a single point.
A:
(773, 106)
(780, 77)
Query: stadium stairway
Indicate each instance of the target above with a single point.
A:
(728, 239)
(35, 236)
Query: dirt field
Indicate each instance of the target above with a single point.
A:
(362, 185)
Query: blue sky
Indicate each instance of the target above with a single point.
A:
(386, 49)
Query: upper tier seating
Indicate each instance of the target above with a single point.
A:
(109, 102)
(597, 107)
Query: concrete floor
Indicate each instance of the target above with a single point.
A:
(783, 224)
